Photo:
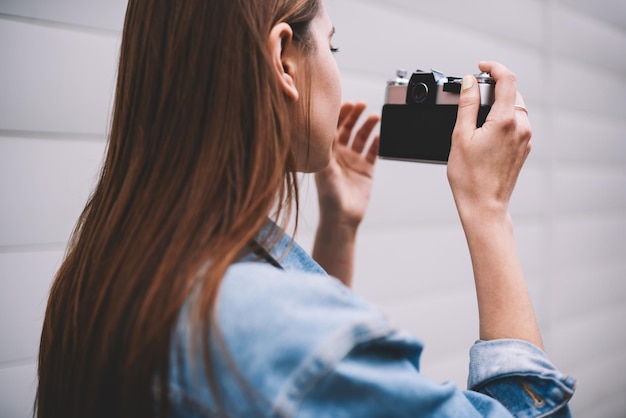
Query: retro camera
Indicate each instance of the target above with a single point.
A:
(419, 114)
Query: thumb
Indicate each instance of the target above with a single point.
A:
(469, 104)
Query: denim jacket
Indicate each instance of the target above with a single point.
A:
(295, 342)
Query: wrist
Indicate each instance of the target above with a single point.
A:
(334, 248)
(486, 228)
(338, 222)
(491, 212)
(336, 231)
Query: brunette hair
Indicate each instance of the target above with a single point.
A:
(200, 152)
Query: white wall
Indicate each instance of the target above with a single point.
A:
(57, 75)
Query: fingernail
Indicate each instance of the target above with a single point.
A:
(468, 82)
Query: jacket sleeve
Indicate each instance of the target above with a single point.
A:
(381, 378)
(521, 377)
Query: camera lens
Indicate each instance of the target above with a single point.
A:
(420, 92)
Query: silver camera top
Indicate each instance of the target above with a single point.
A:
(433, 87)
(396, 89)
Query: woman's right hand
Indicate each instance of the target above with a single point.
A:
(485, 162)
(483, 167)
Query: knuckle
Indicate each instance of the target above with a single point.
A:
(526, 133)
(508, 123)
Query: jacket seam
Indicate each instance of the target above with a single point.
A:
(319, 365)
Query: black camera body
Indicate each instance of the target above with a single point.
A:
(419, 115)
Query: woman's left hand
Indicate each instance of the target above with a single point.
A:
(344, 187)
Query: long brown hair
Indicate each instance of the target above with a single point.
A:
(199, 154)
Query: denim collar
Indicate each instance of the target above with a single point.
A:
(285, 251)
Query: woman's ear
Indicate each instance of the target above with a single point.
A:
(284, 58)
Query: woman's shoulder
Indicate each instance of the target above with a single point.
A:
(256, 299)
(280, 329)
(283, 328)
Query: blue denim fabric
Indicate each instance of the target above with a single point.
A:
(297, 343)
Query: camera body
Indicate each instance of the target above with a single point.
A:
(419, 114)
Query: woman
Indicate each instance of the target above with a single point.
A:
(178, 297)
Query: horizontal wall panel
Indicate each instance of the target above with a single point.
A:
(447, 323)
(107, 14)
(600, 386)
(362, 86)
(19, 385)
(582, 340)
(55, 80)
(44, 184)
(589, 188)
(442, 369)
(589, 137)
(440, 45)
(581, 37)
(584, 291)
(581, 86)
(609, 12)
(406, 263)
(25, 279)
(587, 241)
(410, 193)
(516, 22)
